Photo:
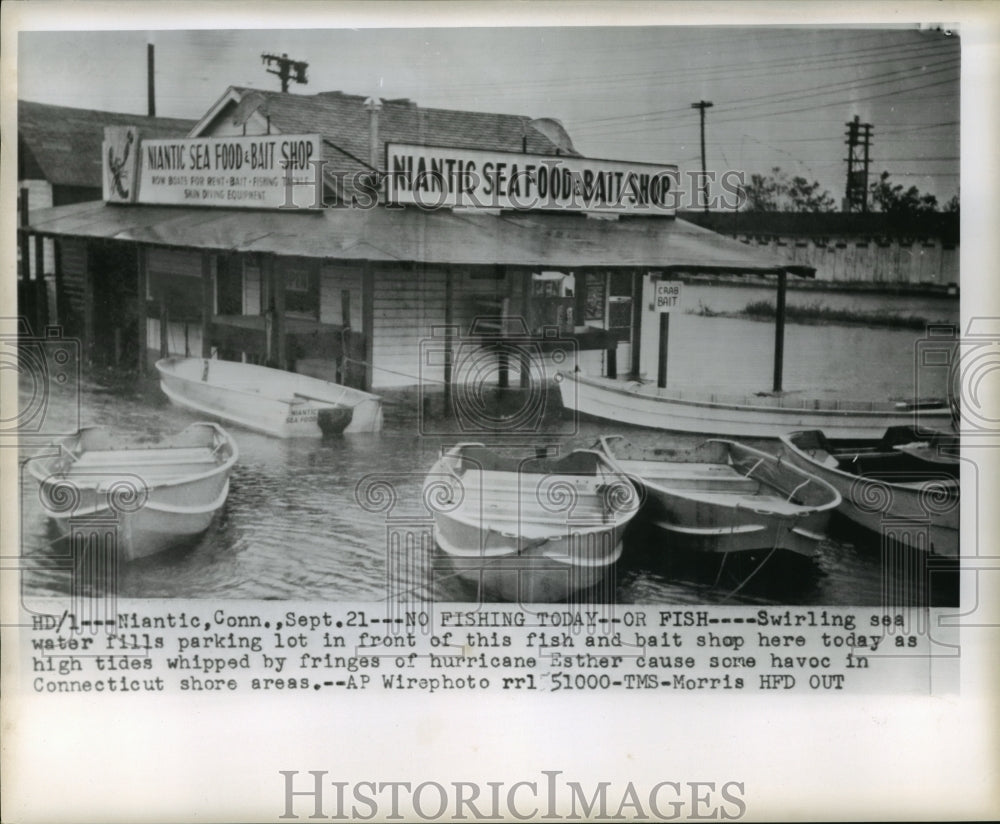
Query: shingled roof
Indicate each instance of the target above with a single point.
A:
(63, 144)
(343, 123)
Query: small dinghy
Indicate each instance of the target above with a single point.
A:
(273, 401)
(529, 530)
(904, 484)
(723, 497)
(160, 493)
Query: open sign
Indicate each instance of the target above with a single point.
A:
(667, 296)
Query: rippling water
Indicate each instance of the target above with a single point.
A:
(293, 526)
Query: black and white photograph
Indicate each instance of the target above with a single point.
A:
(364, 356)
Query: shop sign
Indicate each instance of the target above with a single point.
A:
(668, 295)
(260, 172)
(433, 177)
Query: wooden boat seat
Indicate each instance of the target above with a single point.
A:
(576, 463)
(141, 458)
(148, 475)
(764, 502)
(700, 476)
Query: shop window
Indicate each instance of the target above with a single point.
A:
(180, 295)
(596, 296)
(301, 288)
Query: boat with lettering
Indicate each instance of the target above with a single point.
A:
(529, 529)
(904, 485)
(725, 497)
(764, 415)
(272, 401)
(155, 495)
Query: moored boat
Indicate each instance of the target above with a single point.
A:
(724, 497)
(907, 491)
(273, 401)
(529, 529)
(157, 494)
(759, 416)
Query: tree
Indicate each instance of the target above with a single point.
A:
(807, 197)
(895, 200)
(776, 193)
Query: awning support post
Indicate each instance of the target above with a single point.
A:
(637, 284)
(206, 304)
(503, 367)
(141, 288)
(22, 236)
(524, 356)
(368, 321)
(448, 330)
(41, 290)
(279, 316)
(88, 305)
(661, 371)
(164, 321)
(779, 331)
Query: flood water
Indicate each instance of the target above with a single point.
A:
(296, 524)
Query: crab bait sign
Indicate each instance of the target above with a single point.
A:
(262, 172)
(668, 295)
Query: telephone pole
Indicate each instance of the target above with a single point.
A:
(702, 105)
(285, 68)
(859, 136)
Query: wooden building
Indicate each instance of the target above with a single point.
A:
(344, 280)
(58, 163)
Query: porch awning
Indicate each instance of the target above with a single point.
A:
(549, 241)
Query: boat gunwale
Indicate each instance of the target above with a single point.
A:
(36, 463)
(620, 519)
(533, 553)
(951, 485)
(804, 510)
(359, 393)
(887, 411)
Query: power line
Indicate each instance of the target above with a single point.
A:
(804, 63)
(769, 115)
(780, 97)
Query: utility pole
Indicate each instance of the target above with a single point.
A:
(702, 105)
(859, 136)
(150, 81)
(285, 68)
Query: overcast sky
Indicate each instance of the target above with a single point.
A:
(781, 96)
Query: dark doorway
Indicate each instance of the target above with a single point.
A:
(229, 285)
(114, 273)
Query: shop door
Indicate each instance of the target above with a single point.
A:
(114, 272)
(228, 285)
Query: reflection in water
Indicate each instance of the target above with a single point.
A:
(293, 526)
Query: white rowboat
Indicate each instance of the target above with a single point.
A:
(273, 401)
(766, 416)
(529, 530)
(909, 493)
(723, 497)
(159, 494)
